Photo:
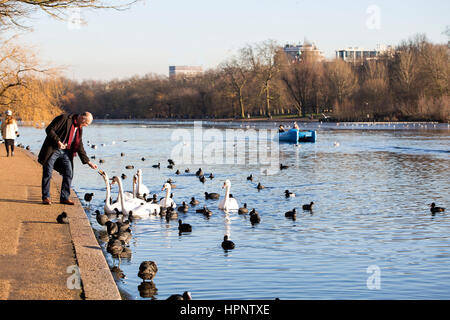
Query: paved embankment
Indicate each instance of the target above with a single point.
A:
(37, 253)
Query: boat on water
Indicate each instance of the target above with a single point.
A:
(295, 136)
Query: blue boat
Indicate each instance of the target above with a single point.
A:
(295, 136)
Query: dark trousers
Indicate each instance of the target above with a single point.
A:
(64, 158)
(9, 144)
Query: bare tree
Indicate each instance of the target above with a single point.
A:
(238, 75)
(14, 12)
(264, 63)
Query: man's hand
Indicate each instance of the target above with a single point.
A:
(61, 145)
(92, 165)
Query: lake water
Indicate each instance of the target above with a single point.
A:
(371, 185)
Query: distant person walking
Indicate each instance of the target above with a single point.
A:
(63, 142)
(10, 132)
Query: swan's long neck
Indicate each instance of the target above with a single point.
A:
(108, 191)
(121, 196)
(134, 187)
(227, 192)
(168, 189)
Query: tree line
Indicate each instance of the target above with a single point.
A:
(409, 83)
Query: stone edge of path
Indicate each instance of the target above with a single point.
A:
(96, 278)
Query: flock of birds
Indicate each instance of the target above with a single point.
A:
(139, 203)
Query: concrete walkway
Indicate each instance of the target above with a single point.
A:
(38, 256)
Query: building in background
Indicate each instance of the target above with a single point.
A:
(301, 51)
(184, 71)
(359, 55)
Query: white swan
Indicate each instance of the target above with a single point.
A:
(142, 190)
(228, 203)
(167, 202)
(126, 206)
(130, 195)
(109, 207)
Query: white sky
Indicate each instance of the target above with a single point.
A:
(156, 33)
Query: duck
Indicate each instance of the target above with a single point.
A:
(122, 154)
(308, 207)
(157, 165)
(184, 227)
(254, 217)
(171, 214)
(142, 159)
(199, 172)
(167, 201)
(211, 176)
(212, 195)
(227, 244)
(289, 194)
(434, 209)
(101, 218)
(228, 203)
(243, 210)
(184, 207)
(291, 214)
(177, 172)
(260, 186)
(187, 170)
(115, 247)
(123, 176)
(186, 296)
(250, 177)
(170, 166)
(101, 161)
(111, 227)
(147, 270)
(88, 197)
(124, 236)
(282, 166)
(202, 179)
(142, 190)
(129, 166)
(194, 201)
(171, 162)
(62, 218)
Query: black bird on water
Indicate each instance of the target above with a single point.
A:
(88, 197)
(184, 227)
(308, 207)
(227, 244)
(435, 209)
(147, 270)
(157, 165)
(102, 219)
(282, 166)
(250, 177)
(254, 217)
